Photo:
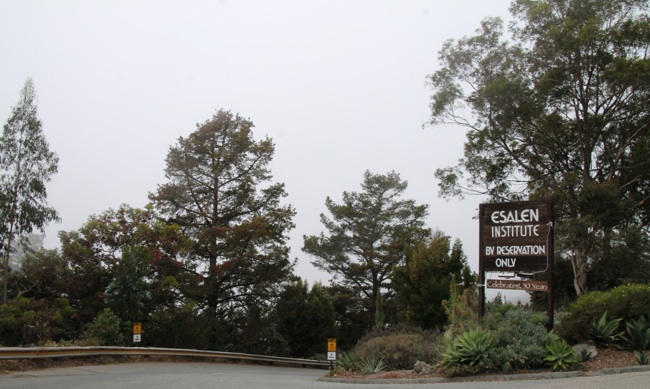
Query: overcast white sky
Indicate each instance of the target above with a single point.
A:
(338, 85)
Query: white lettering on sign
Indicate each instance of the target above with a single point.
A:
(524, 216)
(538, 249)
(518, 231)
(505, 262)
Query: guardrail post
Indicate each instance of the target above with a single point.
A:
(28, 336)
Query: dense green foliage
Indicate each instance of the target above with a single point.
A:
(129, 260)
(104, 330)
(423, 282)
(201, 267)
(305, 319)
(558, 112)
(627, 302)
(519, 337)
(509, 337)
(51, 320)
(177, 327)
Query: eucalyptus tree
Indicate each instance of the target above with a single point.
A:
(26, 165)
(367, 236)
(219, 191)
(559, 111)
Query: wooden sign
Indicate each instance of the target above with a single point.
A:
(515, 236)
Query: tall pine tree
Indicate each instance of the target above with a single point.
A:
(367, 237)
(219, 192)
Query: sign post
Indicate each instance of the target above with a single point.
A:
(517, 238)
(137, 332)
(331, 351)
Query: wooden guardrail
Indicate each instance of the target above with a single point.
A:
(62, 352)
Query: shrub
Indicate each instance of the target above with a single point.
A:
(559, 355)
(51, 320)
(627, 302)
(348, 361)
(399, 347)
(178, 327)
(104, 330)
(519, 337)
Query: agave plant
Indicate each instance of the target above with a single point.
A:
(585, 355)
(372, 364)
(348, 361)
(642, 358)
(638, 334)
(559, 355)
(470, 348)
(603, 331)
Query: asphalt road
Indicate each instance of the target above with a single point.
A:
(213, 375)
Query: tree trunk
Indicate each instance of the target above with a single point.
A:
(379, 311)
(579, 263)
(6, 265)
